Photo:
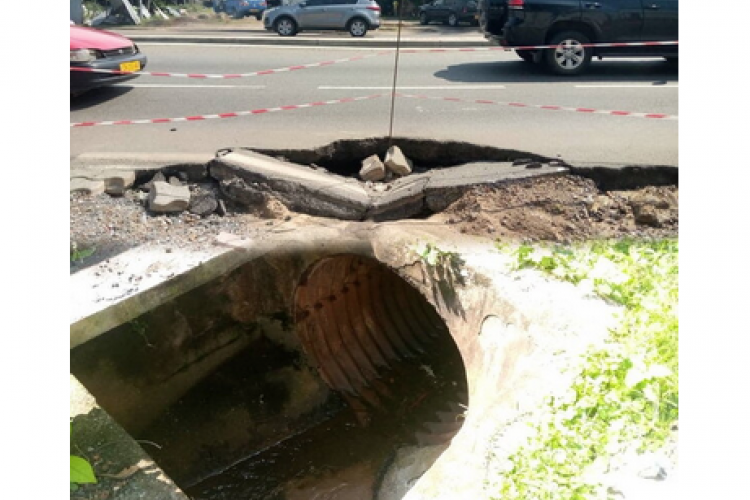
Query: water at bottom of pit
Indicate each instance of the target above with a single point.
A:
(343, 458)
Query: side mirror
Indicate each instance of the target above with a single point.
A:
(302, 5)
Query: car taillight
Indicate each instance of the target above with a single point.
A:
(515, 4)
(376, 8)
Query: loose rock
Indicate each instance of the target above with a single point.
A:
(165, 198)
(372, 169)
(396, 162)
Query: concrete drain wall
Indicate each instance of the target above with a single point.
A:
(275, 338)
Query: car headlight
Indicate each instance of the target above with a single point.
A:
(84, 55)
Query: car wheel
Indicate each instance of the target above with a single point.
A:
(526, 55)
(423, 19)
(358, 27)
(570, 56)
(259, 17)
(453, 20)
(285, 26)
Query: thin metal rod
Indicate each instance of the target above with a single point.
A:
(395, 74)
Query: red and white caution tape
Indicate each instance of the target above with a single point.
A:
(226, 115)
(537, 47)
(659, 116)
(238, 75)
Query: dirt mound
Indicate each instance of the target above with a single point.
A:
(564, 209)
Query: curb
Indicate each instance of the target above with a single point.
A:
(307, 42)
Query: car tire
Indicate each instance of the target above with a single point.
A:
(570, 56)
(357, 27)
(423, 19)
(526, 55)
(285, 26)
(452, 20)
(259, 17)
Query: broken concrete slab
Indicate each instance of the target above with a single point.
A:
(404, 199)
(300, 188)
(397, 162)
(372, 169)
(167, 198)
(447, 184)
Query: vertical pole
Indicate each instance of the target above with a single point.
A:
(395, 72)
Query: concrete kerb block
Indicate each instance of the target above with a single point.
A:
(164, 197)
(298, 187)
(116, 181)
(447, 185)
(405, 199)
(397, 162)
(372, 169)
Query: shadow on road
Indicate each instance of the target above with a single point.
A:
(95, 97)
(613, 70)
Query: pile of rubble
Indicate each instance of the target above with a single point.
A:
(388, 190)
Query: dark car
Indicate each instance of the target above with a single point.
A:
(99, 58)
(573, 25)
(450, 12)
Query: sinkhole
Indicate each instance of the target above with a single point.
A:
(291, 376)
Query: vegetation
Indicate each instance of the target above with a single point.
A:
(624, 395)
(78, 255)
(80, 469)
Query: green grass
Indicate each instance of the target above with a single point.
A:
(625, 394)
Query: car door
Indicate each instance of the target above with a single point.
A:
(313, 14)
(614, 20)
(438, 10)
(338, 12)
(659, 20)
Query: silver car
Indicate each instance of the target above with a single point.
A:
(354, 16)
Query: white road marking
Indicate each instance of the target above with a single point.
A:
(178, 86)
(649, 86)
(424, 87)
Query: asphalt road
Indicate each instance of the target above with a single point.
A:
(639, 86)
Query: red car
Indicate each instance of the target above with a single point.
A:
(94, 49)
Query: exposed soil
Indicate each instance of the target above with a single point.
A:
(564, 208)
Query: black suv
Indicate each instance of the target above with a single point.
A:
(572, 25)
(450, 12)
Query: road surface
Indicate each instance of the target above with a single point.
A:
(645, 86)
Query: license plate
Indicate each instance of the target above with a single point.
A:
(129, 67)
(253, 11)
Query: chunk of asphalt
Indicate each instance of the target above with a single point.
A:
(404, 199)
(299, 187)
(372, 169)
(166, 198)
(397, 162)
(86, 186)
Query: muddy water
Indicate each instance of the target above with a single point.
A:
(344, 458)
(231, 437)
